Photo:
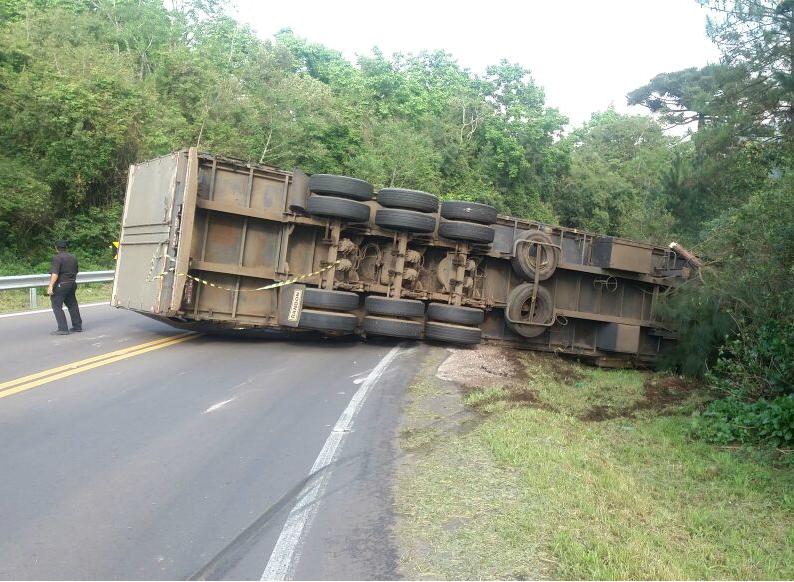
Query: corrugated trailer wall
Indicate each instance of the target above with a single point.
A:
(238, 238)
(154, 198)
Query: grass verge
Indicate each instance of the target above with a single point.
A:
(580, 473)
(15, 300)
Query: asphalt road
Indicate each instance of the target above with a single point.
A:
(133, 451)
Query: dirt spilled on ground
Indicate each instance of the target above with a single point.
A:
(493, 366)
(562, 371)
(486, 367)
(662, 395)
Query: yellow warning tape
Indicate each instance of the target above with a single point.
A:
(149, 278)
(298, 278)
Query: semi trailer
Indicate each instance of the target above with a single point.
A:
(222, 246)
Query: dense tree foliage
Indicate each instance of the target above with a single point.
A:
(731, 194)
(613, 186)
(91, 86)
(129, 80)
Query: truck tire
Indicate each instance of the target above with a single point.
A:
(453, 334)
(470, 211)
(344, 186)
(395, 307)
(405, 220)
(466, 232)
(328, 299)
(532, 257)
(407, 199)
(329, 206)
(404, 328)
(327, 321)
(526, 323)
(455, 314)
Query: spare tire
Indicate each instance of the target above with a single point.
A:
(543, 257)
(526, 320)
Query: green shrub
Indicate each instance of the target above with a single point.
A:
(757, 364)
(703, 320)
(732, 421)
(756, 371)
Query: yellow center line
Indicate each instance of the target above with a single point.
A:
(39, 378)
(79, 363)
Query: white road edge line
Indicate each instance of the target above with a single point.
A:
(287, 549)
(219, 405)
(18, 313)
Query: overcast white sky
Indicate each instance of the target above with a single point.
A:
(586, 54)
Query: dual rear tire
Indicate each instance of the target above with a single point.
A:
(446, 323)
(454, 324)
(397, 321)
(401, 210)
(325, 310)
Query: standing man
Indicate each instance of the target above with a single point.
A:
(63, 284)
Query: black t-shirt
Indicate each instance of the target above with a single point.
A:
(64, 265)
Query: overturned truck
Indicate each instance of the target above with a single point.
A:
(217, 245)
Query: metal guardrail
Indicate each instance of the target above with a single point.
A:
(32, 282)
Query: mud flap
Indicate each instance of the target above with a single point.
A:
(290, 304)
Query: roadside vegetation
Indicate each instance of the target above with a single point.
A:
(569, 472)
(16, 300)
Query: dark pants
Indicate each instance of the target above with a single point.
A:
(63, 293)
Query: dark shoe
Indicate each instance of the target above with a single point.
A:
(76, 329)
(60, 332)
